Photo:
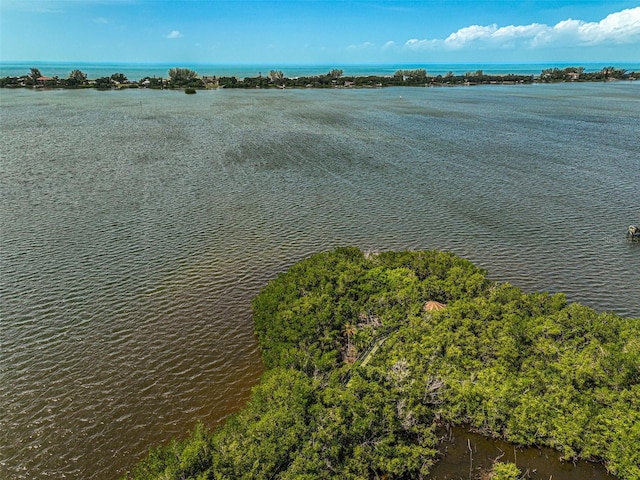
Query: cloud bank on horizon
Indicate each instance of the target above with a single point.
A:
(616, 29)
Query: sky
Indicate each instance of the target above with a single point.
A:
(320, 32)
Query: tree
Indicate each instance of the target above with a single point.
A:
(119, 77)
(417, 75)
(76, 77)
(103, 83)
(349, 330)
(612, 72)
(34, 75)
(276, 76)
(181, 76)
(152, 82)
(265, 437)
(335, 73)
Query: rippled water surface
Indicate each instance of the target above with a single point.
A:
(136, 226)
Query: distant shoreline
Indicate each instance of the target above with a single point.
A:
(185, 78)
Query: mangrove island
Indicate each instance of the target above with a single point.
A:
(368, 356)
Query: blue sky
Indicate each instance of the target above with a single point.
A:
(320, 32)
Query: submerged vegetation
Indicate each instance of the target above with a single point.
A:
(179, 78)
(359, 375)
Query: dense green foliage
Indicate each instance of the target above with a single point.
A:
(183, 77)
(300, 318)
(529, 368)
(574, 74)
(505, 471)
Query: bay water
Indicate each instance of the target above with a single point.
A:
(138, 71)
(136, 226)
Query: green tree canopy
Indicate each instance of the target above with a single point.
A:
(184, 77)
(77, 77)
(360, 374)
(417, 74)
(119, 77)
(177, 75)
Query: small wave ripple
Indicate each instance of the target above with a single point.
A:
(135, 233)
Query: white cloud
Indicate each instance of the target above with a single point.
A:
(470, 34)
(389, 45)
(361, 46)
(101, 20)
(617, 28)
(415, 44)
(492, 36)
(174, 34)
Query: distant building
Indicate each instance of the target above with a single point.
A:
(210, 81)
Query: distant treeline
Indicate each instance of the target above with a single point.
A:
(179, 78)
(366, 355)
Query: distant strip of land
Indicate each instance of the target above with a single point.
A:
(184, 78)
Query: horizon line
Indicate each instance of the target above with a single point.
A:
(167, 62)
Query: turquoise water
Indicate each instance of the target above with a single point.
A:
(136, 71)
(137, 225)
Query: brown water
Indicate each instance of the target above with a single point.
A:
(469, 456)
(136, 226)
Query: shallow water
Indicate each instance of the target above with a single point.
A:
(137, 225)
(468, 456)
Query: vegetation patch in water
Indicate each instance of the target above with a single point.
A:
(361, 370)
